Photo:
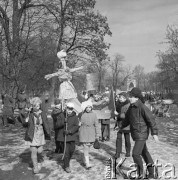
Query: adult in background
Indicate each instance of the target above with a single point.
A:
(45, 103)
(140, 119)
(124, 105)
(105, 123)
(8, 109)
(22, 103)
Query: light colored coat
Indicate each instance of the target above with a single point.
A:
(89, 129)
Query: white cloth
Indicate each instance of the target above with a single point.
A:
(61, 54)
(67, 91)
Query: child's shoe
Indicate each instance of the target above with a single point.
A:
(36, 170)
(87, 162)
(39, 166)
(127, 155)
(68, 170)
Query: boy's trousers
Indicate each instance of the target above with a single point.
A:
(70, 148)
(119, 143)
(140, 149)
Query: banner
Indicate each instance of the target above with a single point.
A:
(106, 109)
(111, 105)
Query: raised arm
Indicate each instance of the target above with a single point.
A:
(76, 69)
(49, 76)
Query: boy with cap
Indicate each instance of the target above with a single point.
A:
(57, 114)
(68, 133)
(141, 120)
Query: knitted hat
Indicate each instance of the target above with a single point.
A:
(125, 94)
(70, 105)
(61, 54)
(135, 92)
(85, 104)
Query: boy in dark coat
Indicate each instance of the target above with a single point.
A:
(68, 127)
(141, 120)
(57, 114)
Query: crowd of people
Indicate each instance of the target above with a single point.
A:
(132, 116)
(75, 119)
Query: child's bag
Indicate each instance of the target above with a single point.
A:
(96, 144)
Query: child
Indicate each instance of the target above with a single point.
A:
(123, 98)
(89, 130)
(57, 114)
(141, 120)
(68, 131)
(37, 131)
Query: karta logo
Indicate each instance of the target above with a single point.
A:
(113, 168)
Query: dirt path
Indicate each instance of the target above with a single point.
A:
(15, 163)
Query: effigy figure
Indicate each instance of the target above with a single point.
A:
(67, 90)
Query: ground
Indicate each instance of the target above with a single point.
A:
(15, 162)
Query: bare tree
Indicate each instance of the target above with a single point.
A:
(139, 74)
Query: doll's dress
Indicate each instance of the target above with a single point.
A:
(66, 89)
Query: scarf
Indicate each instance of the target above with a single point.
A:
(37, 117)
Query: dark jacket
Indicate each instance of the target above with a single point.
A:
(30, 127)
(8, 105)
(56, 114)
(45, 105)
(121, 116)
(141, 120)
(72, 126)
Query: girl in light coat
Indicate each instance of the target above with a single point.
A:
(37, 131)
(89, 130)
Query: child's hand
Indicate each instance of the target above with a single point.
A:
(27, 119)
(116, 113)
(67, 132)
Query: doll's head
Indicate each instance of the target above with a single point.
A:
(62, 56)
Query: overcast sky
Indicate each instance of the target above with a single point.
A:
(138, 28)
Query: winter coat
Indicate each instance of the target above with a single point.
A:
(121, 117)
(8, 105)
(72, 127)
(45, 105)
(56, 114)
(31, 127)
(141, 120)
(89, 129)
(22, 101)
